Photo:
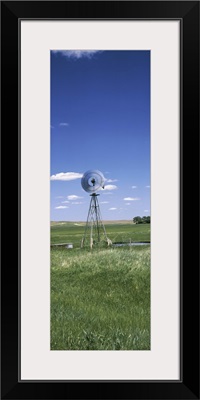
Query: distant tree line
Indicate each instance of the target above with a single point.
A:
(142, 220)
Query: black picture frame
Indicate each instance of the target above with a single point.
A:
(188, 386)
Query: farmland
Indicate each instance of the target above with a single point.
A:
(100, 298)
(125, 231)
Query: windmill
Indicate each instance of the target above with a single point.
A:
(92, 181)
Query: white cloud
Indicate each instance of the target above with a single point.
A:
(127, 204)
(111, 180)
(77, 54)
(66, 201)
(147, 186)
(73, 197)
(104, 202)
(134, 187)
(66, 176)
(113, 208)
(63, 124)
(131, 198)
(110, 187)
(77, 202)
(61, 207)
(146, 210)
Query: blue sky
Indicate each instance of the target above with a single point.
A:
(100, 119)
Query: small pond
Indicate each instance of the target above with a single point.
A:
(131, 244)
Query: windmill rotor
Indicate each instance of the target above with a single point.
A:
(92, 181)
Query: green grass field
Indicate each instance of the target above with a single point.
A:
(100, 298)
(72, 232)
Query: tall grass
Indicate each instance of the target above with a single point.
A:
(100, 299)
